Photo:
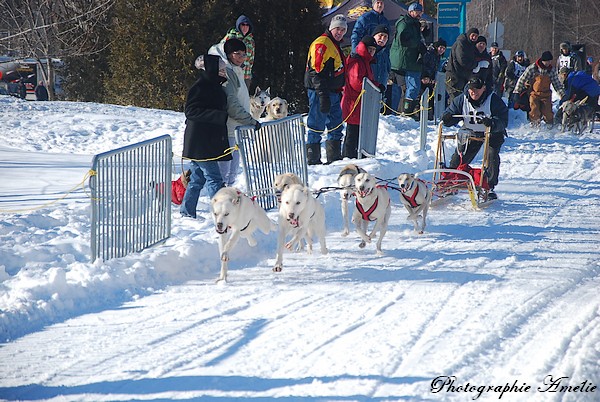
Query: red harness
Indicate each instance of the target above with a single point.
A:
(411, 200)
(366, 214)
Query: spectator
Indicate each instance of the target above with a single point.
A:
(589, 65)
(483, 69)
(233, 53)
(366, 23)
(578, 86)
(324, 79)
(540, 75)
(431, 63)
(461, 63)
(381, 68)
(243, 30)
(407, 48)
(499, 65)
(481, 108)
(514, 69)
(41, 93)
(205, 136)
(567, 58)
(358, 66)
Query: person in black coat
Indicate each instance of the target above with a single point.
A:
(461, 63)
(205, 139)
(41, 93)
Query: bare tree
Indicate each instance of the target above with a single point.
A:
(51, 29)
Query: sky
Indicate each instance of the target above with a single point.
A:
(500, 303)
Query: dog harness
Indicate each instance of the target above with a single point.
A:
(411, 200)
(366, 214)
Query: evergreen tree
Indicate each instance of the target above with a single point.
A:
(153, 46)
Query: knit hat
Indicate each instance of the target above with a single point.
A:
(368, 40)
(415, 7)
(564, 70)
(338, 21)
(494, 44)
(547, 56)
(233, 45)
(472, 31)
(373, 2)
(565, 45)
(440, 42)
(481, 39)
(381, 28)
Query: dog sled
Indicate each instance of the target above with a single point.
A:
(472, 180)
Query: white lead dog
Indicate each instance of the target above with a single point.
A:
(235, 215)
(416, 197)
(302, 216)
(372, 205)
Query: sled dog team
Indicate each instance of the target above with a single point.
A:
(301, 216)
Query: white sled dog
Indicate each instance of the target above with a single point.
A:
(346, 181)
(236, 215)
(276, 109)
(259, 101)
(283, 181)
(416, 197)
(372, 205)
(302, 216)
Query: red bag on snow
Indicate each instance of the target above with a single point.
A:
(179, 186)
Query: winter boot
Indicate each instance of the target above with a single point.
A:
(350, 148)
(408, 107)
(313, 154)
(333, 148)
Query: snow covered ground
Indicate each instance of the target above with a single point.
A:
(498, 303)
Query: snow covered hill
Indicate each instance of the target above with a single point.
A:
(498, 303)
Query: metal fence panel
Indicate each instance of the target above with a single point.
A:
(278, 147)
(439, 103)
(131, 198)
(369, 120)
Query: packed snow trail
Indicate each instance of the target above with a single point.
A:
(506, 295)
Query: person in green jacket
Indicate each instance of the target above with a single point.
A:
(407, 46)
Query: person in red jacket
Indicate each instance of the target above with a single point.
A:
(358, 66)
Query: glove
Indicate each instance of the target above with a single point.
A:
(257, 126)
(486, 121)
(324, 103)
(382, 88)
(447, 119)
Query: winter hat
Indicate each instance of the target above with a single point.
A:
(381, 28)
(368, 40)
(481, 39)
(564, 70)
(565, 45)
(494, 44)
(440, 42)
(233, 45)
(415, 7)
(472, 31)
(520, 53)
(476, 83)
(373, 2)
(547, 56)
(338, 21)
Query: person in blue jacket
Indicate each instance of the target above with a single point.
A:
(367, 22)
(578, 85)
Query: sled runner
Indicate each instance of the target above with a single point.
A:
(446, 181)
